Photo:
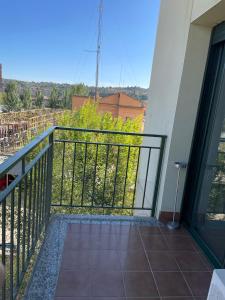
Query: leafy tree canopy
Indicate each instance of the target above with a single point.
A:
(26, 99)
(54, 98)
(39, 99)
(95, 175)
(79, 90)
(11, 98)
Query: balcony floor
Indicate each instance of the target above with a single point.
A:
(106, 259)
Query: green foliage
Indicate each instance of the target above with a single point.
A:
(79, 90)
(11, 98)
(39, 99)
(103, 177)
(54, 98)
(67, 98)
(1, 97)
(26, 99)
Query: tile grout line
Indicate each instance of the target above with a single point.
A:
(190, 290)
(157, 288)
(121, 269)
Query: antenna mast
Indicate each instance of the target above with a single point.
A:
(98, 47)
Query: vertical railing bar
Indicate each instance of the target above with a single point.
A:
(73, 176)
(18, 238)
(49, 178)
(156, 190)
(24, 223)
(136, 176)
(33, 208)
(115, 178)
(12, 244)
(146, 177)
(94, 179)
(106, 167)
(29, 213)
(38, 201)
(41, 195)
(3, 244)
(43, 192)
(62, 179)
(84, 175)
(125, 183)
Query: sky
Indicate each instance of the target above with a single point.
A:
(47, 40)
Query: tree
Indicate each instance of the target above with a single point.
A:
(79, 90)
(26, 99)
(104, 178)
(11, 98)
(39, 99)
(67, 98)
(54, 98)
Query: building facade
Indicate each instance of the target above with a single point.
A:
(119, 105)
(187, 104)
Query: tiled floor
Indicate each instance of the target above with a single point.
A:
(112, 261)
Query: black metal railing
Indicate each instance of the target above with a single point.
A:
(99, 169)
(25, 208)
(72, 168)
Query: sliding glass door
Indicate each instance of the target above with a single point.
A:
(204, 208)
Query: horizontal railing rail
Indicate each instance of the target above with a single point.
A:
(76, 169)
(100, 168)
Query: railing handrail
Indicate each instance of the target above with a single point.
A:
(111, 132)
(18, 156)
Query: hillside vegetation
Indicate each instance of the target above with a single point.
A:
(46, 88)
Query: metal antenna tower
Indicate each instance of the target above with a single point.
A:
(98, 47)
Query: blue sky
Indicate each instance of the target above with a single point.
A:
(45, 40)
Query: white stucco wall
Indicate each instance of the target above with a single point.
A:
(177, 74)
(200, 7)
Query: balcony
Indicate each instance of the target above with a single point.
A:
(78, 222)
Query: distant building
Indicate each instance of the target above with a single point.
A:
(119, 105)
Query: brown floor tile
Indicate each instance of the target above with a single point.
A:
(199, 282)
(134, 260)
(205, 260)
(177, 298)
(129, 242)
(92, 298)
(190, 261)
(105, 260)
(154, 242)
(107, 284)
(162, 261)
(100, 259)
(124, 229)
(86, 228)
(91, 259)
(171, 284)
(73, 229)
(181, 231)
(140, 284)
(145, 298)
(180, 243)
(75, 259)
(72, 283)
(92, 242)
(149, 230)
